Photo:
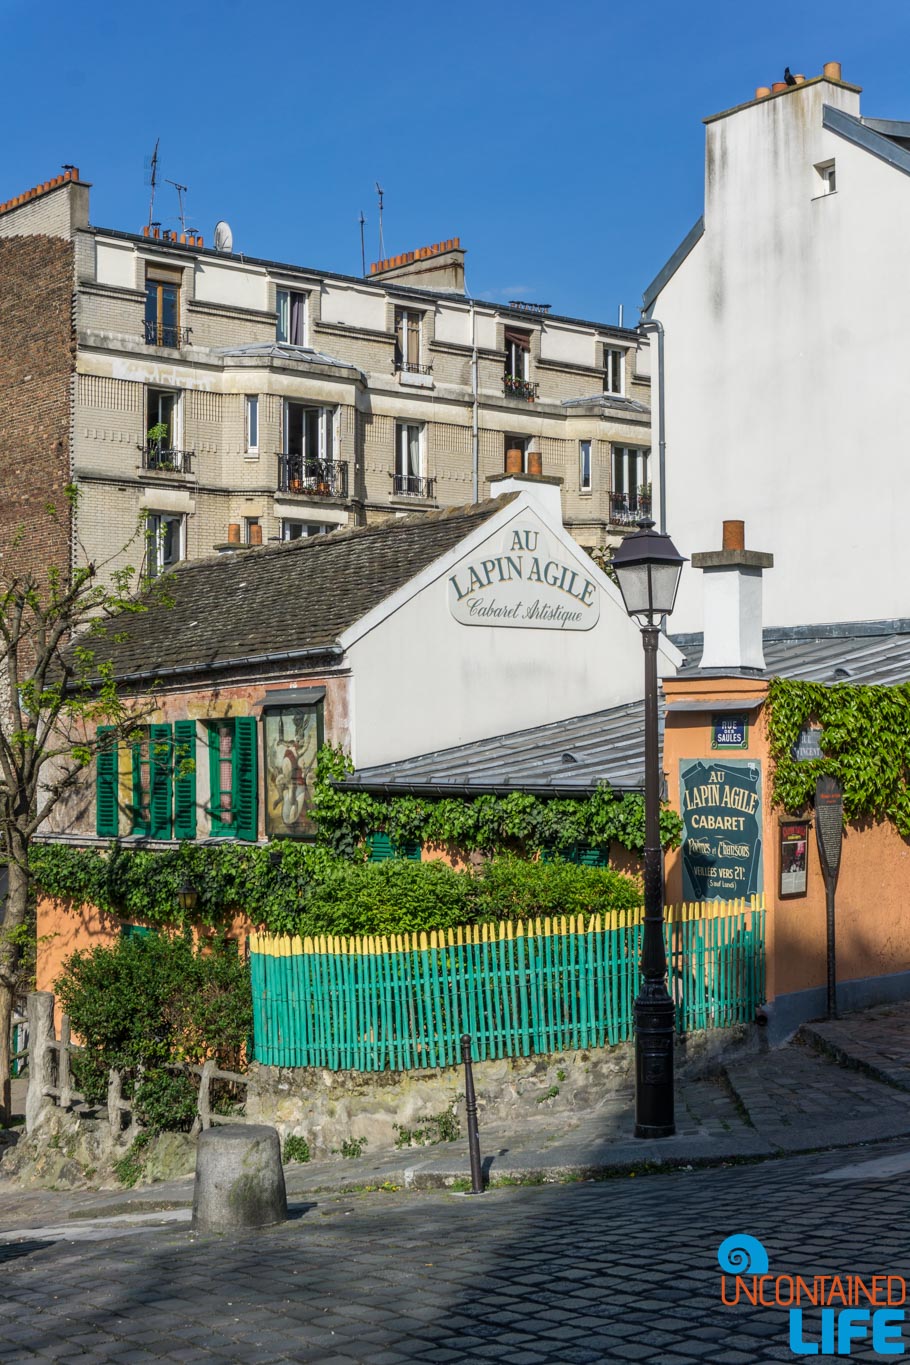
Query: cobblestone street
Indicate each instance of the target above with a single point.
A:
(622, 1270)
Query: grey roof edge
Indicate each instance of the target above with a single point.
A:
(418, 788)
(826, 630)
(888, 127)
(371, 282)
(692, 237)
(854, 130)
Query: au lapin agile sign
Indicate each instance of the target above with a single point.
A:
(722, 844)
(521, 579)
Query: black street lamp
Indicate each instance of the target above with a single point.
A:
(648, 567)
(187, 895)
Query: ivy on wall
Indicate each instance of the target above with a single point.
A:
(488, 824)
(865, 741)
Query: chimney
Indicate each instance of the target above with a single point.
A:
(440, 266)
(543, 489)
(733, 603)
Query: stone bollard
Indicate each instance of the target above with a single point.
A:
(239, 1178)
(40, 1012)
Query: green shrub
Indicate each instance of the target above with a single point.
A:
(392, 897)
(513, 888)
(166, 1100)
(295, 1149)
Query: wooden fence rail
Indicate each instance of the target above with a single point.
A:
(401, 1002)
(50, 1073)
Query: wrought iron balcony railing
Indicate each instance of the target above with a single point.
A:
(318, 478)
(412, 486)
(164, 460)
(520, 388)
(628, 509)
(411, 367)
(157, 334)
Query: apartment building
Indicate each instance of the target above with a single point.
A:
(201, 398)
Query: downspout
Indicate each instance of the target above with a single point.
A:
(652, 325)
(475, 435)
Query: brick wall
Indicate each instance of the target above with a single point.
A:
(37, 360)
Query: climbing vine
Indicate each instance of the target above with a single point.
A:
(865, 743)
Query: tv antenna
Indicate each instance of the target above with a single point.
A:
(363, 250)
(181, 191)
(151, 177)
(379, 191)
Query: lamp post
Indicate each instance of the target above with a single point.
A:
(648, 567)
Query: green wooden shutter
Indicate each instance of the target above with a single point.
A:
(410, 849)
(380, 847)
(160, 781)
(138, 824)
(184, 779)
(245, 794)
(136, 931)
(106, 804)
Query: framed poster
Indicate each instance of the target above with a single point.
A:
(291, 736)
(794, 857)
(721, 806)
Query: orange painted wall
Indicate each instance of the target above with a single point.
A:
(872, 903)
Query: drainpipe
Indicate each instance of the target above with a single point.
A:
(652, 325)
(475, 437)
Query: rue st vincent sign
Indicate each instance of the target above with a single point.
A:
(521, 580)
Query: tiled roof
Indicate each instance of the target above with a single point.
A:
(277, 600)
(853, 651)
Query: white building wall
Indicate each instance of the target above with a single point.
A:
(423, 681)
(786, 356)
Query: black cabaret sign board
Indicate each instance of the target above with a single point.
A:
(721, 804)
(829, 824)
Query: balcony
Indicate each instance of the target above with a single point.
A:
(316, 478)
(156, 334)
(513, 387)
(628, 509)
(411, 486)
(162, 460)
(410, 367)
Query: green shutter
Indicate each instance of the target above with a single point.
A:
(216, 827)
(587, 856)
(106, 804)
(160, 781)
(136, 931)
(184, 779)
(245, 802)
(410, 849)
(380, 847)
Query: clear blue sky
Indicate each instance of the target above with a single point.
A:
(563, 144)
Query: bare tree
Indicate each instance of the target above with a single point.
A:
(56, 690)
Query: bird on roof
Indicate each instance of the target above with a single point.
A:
(789, 76)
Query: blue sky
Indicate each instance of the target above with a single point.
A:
(563, 144)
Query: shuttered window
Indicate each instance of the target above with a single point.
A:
(584, 854)
(233, 779)
(380, 848)
(106, 803)
(184, 779)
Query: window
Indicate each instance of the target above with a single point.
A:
(518, 354)
(162, 308)
(407, 340)
(584, 462)
(252, 422)
(380, 847)
(158, 781)
(828, 175)
(300, 530)
(309, 432)
(613, 368)
(164, 536)
(233, 796)
(291, 309)
(630, 499)
(408, 477)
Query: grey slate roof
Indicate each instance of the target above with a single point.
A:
(608, 746)
(281, 600)
(284, 350)
(852, 651)
(567, 756)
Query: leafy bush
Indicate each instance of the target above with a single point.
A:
(153, 1001)
(394, 896)
(513, 888)
(295, 1149)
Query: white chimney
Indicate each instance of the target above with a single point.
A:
(733, 603)
(544, 489)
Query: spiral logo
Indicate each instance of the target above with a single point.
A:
(742, 1255)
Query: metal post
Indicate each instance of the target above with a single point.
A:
(471, 1107)
(830, 953)
(654, 1011)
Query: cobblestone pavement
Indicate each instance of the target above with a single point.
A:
(876, 1041)
(622, 1270)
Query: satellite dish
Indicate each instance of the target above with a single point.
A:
(224, 238)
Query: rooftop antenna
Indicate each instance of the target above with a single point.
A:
(379, 191)
(151, 177)
(363, 250)
(181, 191)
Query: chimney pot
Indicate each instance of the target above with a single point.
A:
(535, 462)
(514, 461)
(778, 86)
(762, 91)
(832, 71)
(734, 535)
(234, 533)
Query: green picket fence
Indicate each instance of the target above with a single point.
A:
(403, 1001)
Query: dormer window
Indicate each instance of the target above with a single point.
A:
(407, 340)
(162, 308)
(613, 368)
(291, 323)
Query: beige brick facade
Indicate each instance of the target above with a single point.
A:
(218, 348)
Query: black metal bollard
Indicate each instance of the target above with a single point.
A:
(471, 1106)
